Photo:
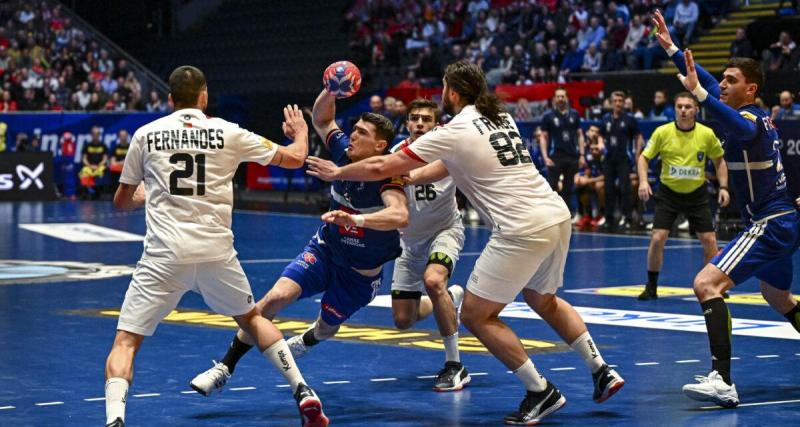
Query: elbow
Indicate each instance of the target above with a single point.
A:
(119, 203)
(377, 167)
(293, 162)
(402, 217)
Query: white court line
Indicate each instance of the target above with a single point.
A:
(94, 399)
(425, 377)
(243, 388)
(478, 374)
(774, 402)
(382, 379)
(7, 407)
(646, 363)
(767, 356)
(569, 368)
(736, 358)
(48, 403)
(613, 366)
(687, 361)
(283, 385)
(266, 260)
(147, 395)
(336, 382)
(189, 392)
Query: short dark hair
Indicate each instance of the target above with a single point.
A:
(383, 126)
(468, 80)
(418, 103)
(185, 85)
(750, 68)
(685, 94)
(619, 93)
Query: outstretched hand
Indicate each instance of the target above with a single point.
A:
(323, 169)
(293, 122)
(662, 31)
(689, 81)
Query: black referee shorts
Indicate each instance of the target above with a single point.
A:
(694, 205)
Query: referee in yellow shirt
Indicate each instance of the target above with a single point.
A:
(684, 146)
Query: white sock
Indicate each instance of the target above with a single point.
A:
(116, 395)
(584, 345)
(451, 348)
(281, 357)
(530, 377)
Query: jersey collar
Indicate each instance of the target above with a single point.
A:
(678, 128)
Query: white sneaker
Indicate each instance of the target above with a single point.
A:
(472, 216)
(457, 292)
(713, 389)
(297, 346)
(211, 380)
(684, 226)
(577, 218)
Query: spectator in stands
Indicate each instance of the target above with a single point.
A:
(376, 105)
(410, 82)
(117, 159)
(741, 46)
(95, 158)
(592, 59)
(522, 111)
(28, 101)
(52, 103)
(613, 60)
(84, 96)
(783, 54)
(155, 105)
(428, 67)
(573, 58)
(649, 53)
(109, 83)
(661, 110)
(630, 108)
(7, 104)
(785, 109)
(685, 21)
(591, 35)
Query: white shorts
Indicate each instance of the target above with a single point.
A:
(156, 288)
(410, 266)
(508, 265)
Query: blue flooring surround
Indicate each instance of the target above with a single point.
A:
(56, 330)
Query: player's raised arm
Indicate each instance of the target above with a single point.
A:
(665, 40)
(428, 174)
(727, 117)
(323, 115)
(295, 128)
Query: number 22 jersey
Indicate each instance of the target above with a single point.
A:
(187, 162)
(491, 166)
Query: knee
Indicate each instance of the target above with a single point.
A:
(658, 239)
(469, 319)
(403, 320)
(435, 284)
(704, 287)
(542, 303)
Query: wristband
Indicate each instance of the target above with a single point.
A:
(359, 220)
(672, 50)
(700, 93)
(723, 188)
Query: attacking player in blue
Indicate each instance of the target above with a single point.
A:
(344, 260)
(764, 250)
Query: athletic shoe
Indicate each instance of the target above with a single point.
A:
(684, 226)
(310, 407)
(606, 382)
(537, 405)
(648, 294)
(116, 423)
(598, 221)
(713, 389)
(211, 380)
(452, 377)
(577, 218)
(297, 346)
(585, 222)
(457, 294)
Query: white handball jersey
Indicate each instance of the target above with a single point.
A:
(492, 167)
(431, 207)
(187, 162)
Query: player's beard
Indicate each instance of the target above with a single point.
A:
(447, 105)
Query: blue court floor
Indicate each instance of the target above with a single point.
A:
(64, 269)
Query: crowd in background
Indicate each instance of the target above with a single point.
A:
(523, 42)
(48, 63)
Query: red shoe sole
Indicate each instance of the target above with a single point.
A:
(312, 414)
(613, 390)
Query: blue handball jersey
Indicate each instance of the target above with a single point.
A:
(562, 132)
(620, 135)
(358, 247)
(752, 151)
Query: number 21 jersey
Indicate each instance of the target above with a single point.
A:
(490, 165)
(187, 162)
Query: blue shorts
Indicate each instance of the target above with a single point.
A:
(345, 291)
(763, 250)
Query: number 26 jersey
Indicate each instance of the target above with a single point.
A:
(491, 166)
(187, 162)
